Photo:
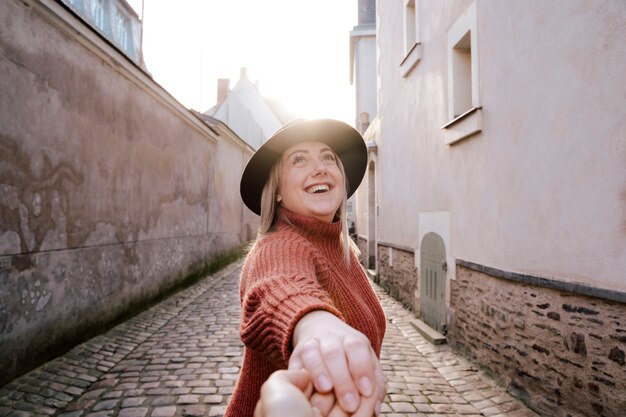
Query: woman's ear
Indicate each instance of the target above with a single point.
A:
(279, 198)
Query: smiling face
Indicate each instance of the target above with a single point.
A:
(311, 183)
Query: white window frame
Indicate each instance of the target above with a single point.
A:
(464, 104)
(412, 41)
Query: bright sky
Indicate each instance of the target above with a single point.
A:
(298, 50)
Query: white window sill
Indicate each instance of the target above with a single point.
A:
(411, 59)
(463, 126)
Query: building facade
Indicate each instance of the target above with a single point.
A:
(363, 64)
(116, 20)
(363, 77)
(495, 191)
(250, 115)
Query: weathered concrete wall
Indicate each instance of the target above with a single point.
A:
(563, 353)
(111, 191)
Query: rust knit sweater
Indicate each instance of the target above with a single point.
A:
(297, 268)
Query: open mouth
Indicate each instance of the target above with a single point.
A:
(318, 189)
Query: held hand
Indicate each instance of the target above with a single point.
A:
(328, 406)
(288, 393)
(339, 358)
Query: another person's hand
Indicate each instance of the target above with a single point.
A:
(287, 393)
(340, 359)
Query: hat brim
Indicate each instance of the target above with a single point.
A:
(342, 138)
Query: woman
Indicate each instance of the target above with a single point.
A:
(306, 302)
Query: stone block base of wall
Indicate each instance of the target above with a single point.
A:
(361, 242)
(561, 352)
(397, 274)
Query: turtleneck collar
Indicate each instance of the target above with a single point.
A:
(309, 226)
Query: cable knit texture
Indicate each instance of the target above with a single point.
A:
(297, 268)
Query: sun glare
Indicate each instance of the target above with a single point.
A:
(297, 51)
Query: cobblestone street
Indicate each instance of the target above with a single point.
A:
(181, 358)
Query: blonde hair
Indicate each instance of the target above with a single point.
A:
(269, 212)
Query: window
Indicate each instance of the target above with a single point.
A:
(462, 76)
(97, 13)
(412, 47)
(121, 29)
(464, 109)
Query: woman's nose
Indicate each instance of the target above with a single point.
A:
(318, 169)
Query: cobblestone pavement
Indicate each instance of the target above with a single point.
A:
(181, 358)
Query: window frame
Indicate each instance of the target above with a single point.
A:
(464, 102)
(412, 42)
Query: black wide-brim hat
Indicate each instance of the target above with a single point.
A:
(342, 138)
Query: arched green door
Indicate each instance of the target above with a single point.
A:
(432, 281)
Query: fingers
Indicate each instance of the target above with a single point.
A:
(323, 402)
(337, 411)
(285, 393)
(372, 404)
(381, 386)
(367, 407)
(349, 365)
(295, 362)
(363, 381)
(299, 378)
(359, 354)
(328, 347)
(291, 391)
(336, 362)
(381, 382)
(311, 357)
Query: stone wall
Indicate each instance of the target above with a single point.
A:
(111, 192)
(561, 352)
(361, 243)
(397, 274)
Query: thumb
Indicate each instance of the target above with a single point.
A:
(300, 378)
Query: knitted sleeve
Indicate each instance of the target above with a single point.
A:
(278, 287)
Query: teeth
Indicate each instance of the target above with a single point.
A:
(317, 188)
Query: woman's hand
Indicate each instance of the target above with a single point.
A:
(340, 359)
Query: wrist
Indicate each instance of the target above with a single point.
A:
(307, 323)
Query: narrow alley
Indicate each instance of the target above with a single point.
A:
(182, 356)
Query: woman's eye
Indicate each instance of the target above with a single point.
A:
(328, 157)
(298, 160)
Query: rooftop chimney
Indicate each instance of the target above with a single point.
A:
(223, 87)
(243, 73)
(367, 12)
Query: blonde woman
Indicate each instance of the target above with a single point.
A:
(306, 301)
